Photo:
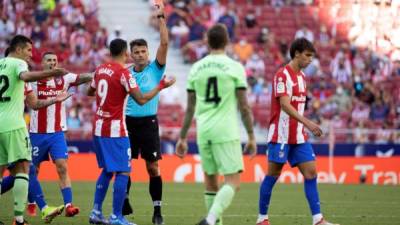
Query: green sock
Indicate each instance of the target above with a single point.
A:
(222, 200)
(209, 197)
(20, 192)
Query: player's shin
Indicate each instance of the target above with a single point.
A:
(101, 190)
(222, 201)
(121, 180)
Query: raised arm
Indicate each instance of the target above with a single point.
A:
(181, 146)
(30, 76)
(164, 39)
(247, 119)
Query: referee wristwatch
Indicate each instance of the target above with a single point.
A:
(161, 16)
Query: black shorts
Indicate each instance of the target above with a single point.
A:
(144, 137)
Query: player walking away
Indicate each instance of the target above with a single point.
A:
(141, 120)
(216, 87)
(14, 141)
(47, 127)
(112, 84)
(287, 140)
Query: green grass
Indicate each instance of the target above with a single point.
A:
(183, 204)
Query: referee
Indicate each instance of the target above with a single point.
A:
(142, 120)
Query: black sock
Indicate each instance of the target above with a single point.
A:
(128, 187)
(155, 189)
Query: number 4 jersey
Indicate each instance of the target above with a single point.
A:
(113, 83)
(11, 94)
(215, 79)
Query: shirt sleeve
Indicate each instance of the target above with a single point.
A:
(280, 87)
(128, 82)
(27, 89)
(157, 69)
(240, 81)
(22, 66)
(71, 79)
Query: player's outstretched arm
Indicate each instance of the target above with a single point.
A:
(164, 39)
(30, 76)
(34, 103)
(142, 99)
(181, 146)
(84, 78)
(247, 119)
(292, 112)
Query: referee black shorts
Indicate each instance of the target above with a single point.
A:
(144, 137)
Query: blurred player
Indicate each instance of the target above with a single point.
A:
(216, 87)
(112, 85)
(141, 121)
(287, 140)
(14, 141)
(47, 127)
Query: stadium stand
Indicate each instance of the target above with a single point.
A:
(352, 81)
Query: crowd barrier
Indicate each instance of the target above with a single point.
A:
(319, 149)
(339, 170)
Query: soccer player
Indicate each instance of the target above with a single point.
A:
(34, 190)
(141, 120)
(14, 141)
(112, 84)
(216, 88)
(287, 140)
(47, 127)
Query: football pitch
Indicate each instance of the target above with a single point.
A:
(183, 204)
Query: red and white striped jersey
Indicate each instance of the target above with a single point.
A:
(52, 118)
(283, 128)
(113, 83)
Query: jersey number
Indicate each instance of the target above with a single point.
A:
(212, 91)
(102, 89)
(4, 84)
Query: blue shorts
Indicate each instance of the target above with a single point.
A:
(45, 144)
(294, 153)
(113, 154)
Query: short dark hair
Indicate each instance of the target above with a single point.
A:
(117, 47)
(48, 53)
(138, 42)
(7, 52)
(18, 41)
(217, 36)
(300, 45)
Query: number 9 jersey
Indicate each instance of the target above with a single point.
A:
(215, 79)
(113, 84)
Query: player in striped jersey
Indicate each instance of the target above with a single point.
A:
(35, 193)
(14, 142)
(287, 140)
(112, 85)
(48, 124)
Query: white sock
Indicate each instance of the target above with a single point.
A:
(261, 218)
(44, 208)
(19, 219)
(316, 218)
(211, 219)
(157, 203)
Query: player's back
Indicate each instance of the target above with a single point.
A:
(215, 80)
(111, 98)
(11, 94)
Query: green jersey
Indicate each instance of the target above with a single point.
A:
(215, 79)
(11, 94)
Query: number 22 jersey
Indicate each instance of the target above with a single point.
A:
(214, 79)
(113, 84)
